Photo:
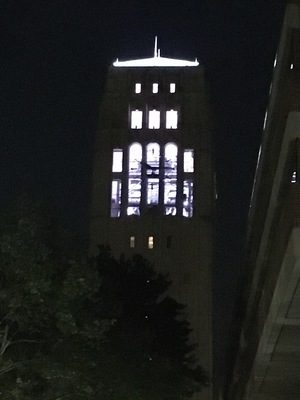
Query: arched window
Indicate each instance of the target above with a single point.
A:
(134, 179)
(170, 178)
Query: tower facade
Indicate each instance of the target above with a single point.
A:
(153, 181)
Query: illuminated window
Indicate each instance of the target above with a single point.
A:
(152, 191)
(136, 119)
(187, 210)
(117, 160)
(134, 179)
(188, 160)
(132, 242)
(170, 179)
(154, 119)
(115, 209)
(138, 88)
(155, 88)
(172, 87)
(150, 242)
(171, 119)
(294, 177)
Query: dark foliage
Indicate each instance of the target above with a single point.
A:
(85, 329)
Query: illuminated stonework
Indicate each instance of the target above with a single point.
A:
(156, 61)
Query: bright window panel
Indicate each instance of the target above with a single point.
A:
(154, 119)
(187, 210)
(171, 119)
(170, 166)
(138, 88)
(132, 242)
(188, 160)
(155, 88)
(133, 211)
(153, 153)
(117, 160)
(134, 191)
(152, 191)
(172, 87)
(136, 119)
(116, 188)
(150, 242)
(135, 158)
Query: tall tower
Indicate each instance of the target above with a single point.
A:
(153, 182)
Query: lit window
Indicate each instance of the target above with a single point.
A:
(138, 88)
(155, 88)
(152, 191)
(136, 119)
(171, 119)
(292, 66)
(170, 179)
(172, 87)
(150, 242)
(294, 177)
(117, 160)
(132, 242)
(187, 210)
(154, 119)
(134, 179)
(116, 187)
(188, 160)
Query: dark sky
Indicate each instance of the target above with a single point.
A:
(54, 59)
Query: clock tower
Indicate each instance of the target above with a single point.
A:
(153, 180)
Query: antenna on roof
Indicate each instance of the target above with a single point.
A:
(155, 47)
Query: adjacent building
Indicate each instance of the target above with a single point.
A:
(153, 181)
(264, 356)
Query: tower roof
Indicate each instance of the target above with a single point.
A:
(156, 61)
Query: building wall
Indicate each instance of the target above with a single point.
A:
(182, 246)
(265, 343)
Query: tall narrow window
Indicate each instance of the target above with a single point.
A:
(171, 119)
(138, 88)
(155, 88)
(134, 179)
(170, 178)
(136, 119)
(154, 119)
(115, 209)
(172, 87)
(150, 242)
(117, 164)
(188, 160)
(187, 210)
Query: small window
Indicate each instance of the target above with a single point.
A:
(138, 88)
(132, 242)
(294, 177)
(172, 87)
(171, 119)
(188, 160)
(136, 119)
(155, 88)
(154, 119)
(117, 160)
(150, 242)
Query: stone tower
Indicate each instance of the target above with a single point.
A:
(153, 181)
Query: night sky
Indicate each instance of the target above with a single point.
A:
(54, 60)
